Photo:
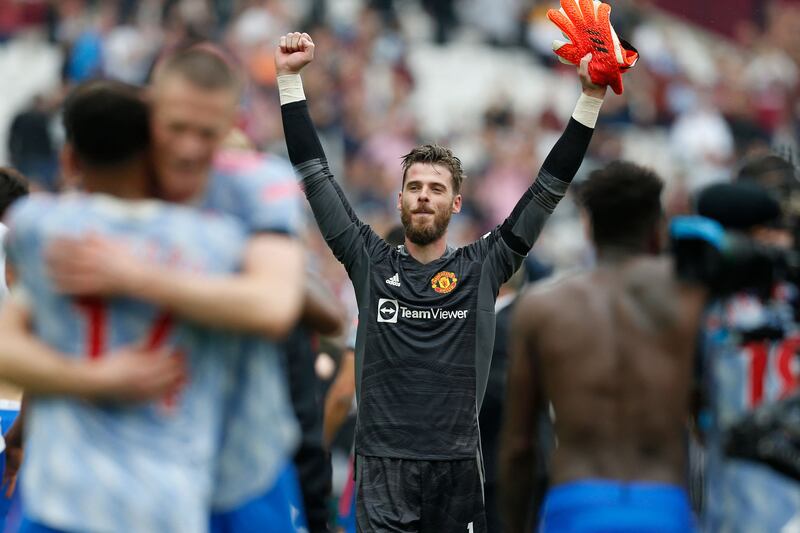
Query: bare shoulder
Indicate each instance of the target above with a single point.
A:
(658, 275)
(542, 299)
(655, 270)
(530, 305)
(649, 278)
(564, 280)
(662, 296)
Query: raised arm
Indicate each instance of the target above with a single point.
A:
(518, 445)
(346, 235)
(521, 229)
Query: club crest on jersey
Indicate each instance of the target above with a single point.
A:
(444, 282)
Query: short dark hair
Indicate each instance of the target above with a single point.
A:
(623, 201)
(106, 122)
(435, 154)
(204, 65)
(13, 185)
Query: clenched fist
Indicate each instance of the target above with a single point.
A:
(295, 51)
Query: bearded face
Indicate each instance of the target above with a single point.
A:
(427, 203)
(425, 224)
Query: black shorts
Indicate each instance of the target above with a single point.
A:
(410, 496)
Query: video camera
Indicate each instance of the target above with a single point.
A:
(726, 261)
(779, 174)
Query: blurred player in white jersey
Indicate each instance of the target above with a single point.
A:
(99, 467)
(194, 97)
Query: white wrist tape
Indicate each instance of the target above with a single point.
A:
(290, 88)
(586, 110)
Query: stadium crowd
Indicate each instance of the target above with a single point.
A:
(390, 76)
(698, 102)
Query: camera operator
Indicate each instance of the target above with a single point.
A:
(750, 363)
(779, 177)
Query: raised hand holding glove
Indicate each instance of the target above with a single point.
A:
(587, 25)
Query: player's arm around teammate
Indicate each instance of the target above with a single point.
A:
(25, 361)
(266, 298)
(130, 375)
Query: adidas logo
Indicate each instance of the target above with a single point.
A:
(394, 280)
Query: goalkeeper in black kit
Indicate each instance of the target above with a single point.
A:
(426, 312)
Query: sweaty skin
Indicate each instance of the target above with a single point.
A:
(612, 351)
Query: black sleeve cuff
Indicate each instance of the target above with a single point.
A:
(566, 157)
(302, 141)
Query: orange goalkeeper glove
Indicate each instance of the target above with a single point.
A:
(586, 24)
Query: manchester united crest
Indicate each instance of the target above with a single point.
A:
(444, 282)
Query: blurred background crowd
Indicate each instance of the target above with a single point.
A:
(476, 75)
(715, 85)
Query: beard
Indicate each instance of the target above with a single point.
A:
(424, 233)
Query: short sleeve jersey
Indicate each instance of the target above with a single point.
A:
(141, 468)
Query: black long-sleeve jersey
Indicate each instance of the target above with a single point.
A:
(426, 331)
